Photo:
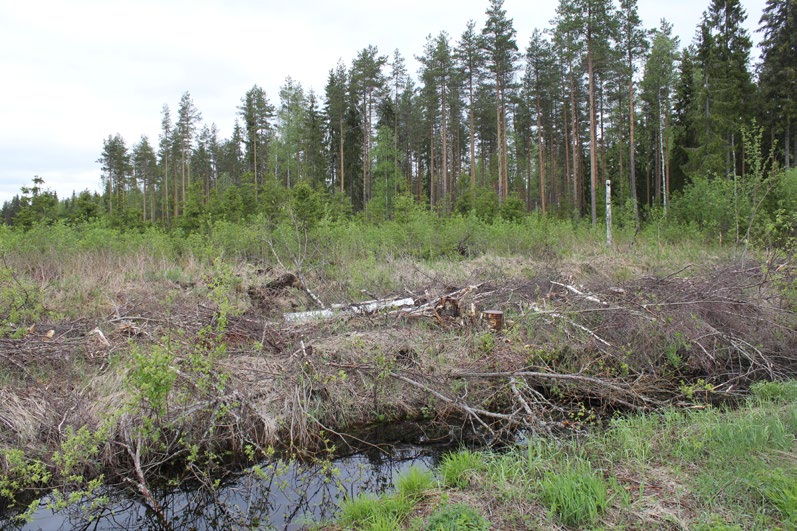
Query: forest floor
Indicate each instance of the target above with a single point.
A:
(240, 358)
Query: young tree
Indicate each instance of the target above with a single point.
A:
(36, 205)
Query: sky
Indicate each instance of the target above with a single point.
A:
(75, 72)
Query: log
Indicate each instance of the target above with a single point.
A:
(495, 319)
(361, 308)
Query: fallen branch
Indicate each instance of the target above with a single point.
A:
(572, 323)
(476, 413)
(575, 291)
(572, 377)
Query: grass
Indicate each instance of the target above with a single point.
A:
(697, 469)
(370, 513)
(575, 493)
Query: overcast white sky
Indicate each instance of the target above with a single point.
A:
(74, 72)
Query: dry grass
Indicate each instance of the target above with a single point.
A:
(660, 322)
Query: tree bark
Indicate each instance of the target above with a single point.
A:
(593, 141)
(631, 153)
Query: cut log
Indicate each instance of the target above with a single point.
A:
(361, 308)
(495, 319)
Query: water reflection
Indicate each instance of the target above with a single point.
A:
(275, 495)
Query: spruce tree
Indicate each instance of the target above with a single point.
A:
(723, 53)
(778, 73)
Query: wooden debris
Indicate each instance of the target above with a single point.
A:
(361, 308)
(495, 319)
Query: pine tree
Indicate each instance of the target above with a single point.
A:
(144, 167)
(188, 118)
(367, 80)
(569, 44)
(165, 147)
(256, 113)
(501, 52)
(540, 80)
(335, 116)
(291, 121)
(470, 59)
(633, 45)
(437, 72)
(116, 171)
(657, 87)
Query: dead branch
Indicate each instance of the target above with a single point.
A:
(616, 387)
(585, 296)
(572, 323)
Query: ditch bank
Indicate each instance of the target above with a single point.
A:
(218, 372)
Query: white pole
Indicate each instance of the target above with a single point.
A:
(608, 213)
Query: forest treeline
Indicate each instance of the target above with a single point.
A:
(488, 125)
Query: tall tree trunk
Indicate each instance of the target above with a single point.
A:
(342, 171)
(472, 143)
(432, 195)
(593, 141)
(183, 175)
(144, 200)
(165, 207)
(540, 148)
(499, 105)
(632, 155)
(176, 205)
(574, 134)
(444, 178)
(254, 160)
(566, 176)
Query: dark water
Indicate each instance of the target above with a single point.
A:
(280, 495)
